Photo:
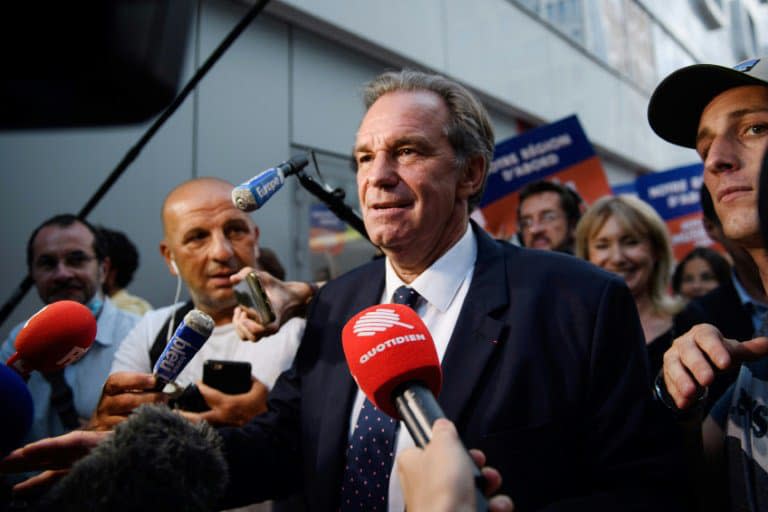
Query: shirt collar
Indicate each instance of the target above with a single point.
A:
(96, 304)
(439, 283)
(742, 293)
(106, 314)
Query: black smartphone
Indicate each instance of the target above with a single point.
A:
(231, 377)
(251, 294)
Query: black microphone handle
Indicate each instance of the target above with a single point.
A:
(293, 165)
(334, 203)
(419, 409)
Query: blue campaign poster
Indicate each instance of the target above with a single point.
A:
(559, 152)
(674, 194)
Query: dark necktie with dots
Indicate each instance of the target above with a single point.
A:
(371, 448)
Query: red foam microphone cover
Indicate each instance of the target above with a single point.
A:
(55, 336)
(388, 345)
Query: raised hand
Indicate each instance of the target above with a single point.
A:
(122, 393)
(693, 359)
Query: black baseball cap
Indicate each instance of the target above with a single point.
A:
(678, 101)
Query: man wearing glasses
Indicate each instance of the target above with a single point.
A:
(547, 216)
(67, 260)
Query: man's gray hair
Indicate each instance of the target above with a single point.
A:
(469, 128)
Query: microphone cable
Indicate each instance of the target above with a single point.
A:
(332, 198)
(172, 323)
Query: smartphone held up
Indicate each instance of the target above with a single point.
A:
(250, 294)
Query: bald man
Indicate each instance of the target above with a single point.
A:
(206, 242)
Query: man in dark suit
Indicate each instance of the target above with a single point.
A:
(542, 354)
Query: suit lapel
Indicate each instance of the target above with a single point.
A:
(340, 388)
(476, 334)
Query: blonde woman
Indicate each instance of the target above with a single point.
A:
(626, 236)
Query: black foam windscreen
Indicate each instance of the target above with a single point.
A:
(155, 460)
(90, 63)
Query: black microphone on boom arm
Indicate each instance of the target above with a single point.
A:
(334, 200)
(254, 193)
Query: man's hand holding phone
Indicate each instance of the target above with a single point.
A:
(227, 396)
(251, 295)
(231, 410)
(286, 299)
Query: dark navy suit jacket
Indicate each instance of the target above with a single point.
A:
(546, 372)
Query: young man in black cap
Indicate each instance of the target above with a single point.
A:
(722, 113)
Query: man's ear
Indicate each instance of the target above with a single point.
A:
(105, 266)
(472, 177)
(165, 252)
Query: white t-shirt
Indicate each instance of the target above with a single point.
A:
(269, 357)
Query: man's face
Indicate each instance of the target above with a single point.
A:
(543, 222)
(412, 195)
(64, 265)
(732, 139)
(210, 240)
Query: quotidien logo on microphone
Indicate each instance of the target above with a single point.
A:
(377, 321)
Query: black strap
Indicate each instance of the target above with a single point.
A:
(62, 400)
(161, 340)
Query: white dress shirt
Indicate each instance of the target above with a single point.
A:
(443, 287)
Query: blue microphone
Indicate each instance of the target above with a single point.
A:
(189, 337)
(252, 194)
(15, 409)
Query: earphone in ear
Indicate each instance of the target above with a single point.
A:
(174, 266)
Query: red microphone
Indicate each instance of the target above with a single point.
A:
(55, 336)
(388, 348)
(392, 357)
